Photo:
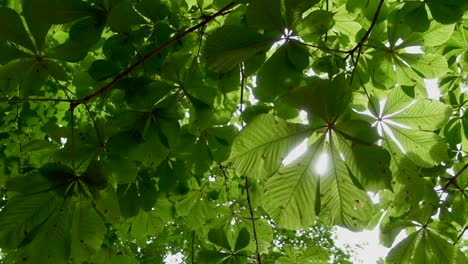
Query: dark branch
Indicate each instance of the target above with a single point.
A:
(364, 39)
(453, 180)
(249, 202)
(460, 235)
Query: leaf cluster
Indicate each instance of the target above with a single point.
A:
(131, 130)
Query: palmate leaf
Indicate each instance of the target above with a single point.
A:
(319, 181)
(390, 66)
(423, 148)
(423, 246)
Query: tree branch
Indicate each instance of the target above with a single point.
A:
(364, 38)
(249, 202)
(151, 54)
(453, 180)
(193, 247)
(460, 235)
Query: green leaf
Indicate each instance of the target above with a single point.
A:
(82, 36)
(261, 147)
(228, 46)
(342, 202)
(41, 14)
(52, 241)
(369, 164)
(291, 193)
(422, 115)
(316, 24)
(103, 69)
(122, 17)
(293, 10)
(123, 171)
(358, 131)
(13, 29)
(243, 239)
(9, 53)
(87, 230)
(429, 65)
(218, 237)
(437, 34)
(23, 214)
(415, 15)
(325, 98)
(265, 14)
(402, 252)
(426, 149)
(446, 12)
(279, 74)
(154, 10)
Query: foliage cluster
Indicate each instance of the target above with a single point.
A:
(134, 128)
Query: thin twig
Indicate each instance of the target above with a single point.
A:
(329, 50)
(359, 46)
(453, 180)
(151, 54)
(98, 134)
(193, 247)
(249, 202)
(460, 235)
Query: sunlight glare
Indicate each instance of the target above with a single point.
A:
(321, 164)
(414, 50)
(295, 153)
(432, 88)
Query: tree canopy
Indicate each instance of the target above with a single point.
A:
(134, 128)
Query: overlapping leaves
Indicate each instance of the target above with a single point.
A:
(138, 168)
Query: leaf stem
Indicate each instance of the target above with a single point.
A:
(249, 202)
